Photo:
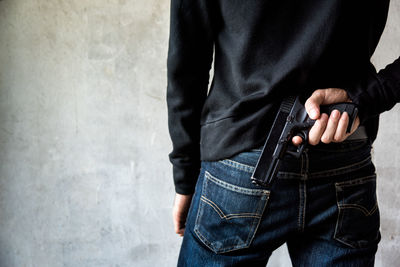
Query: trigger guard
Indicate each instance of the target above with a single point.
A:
(304, 135)
(301, 148)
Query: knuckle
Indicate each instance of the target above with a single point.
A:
(318, 91)
(325, 139)
(324, 118)
(313, 141)
(309, 105)
(336, 116)
(337, 139)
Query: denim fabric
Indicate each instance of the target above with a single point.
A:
(323, 205)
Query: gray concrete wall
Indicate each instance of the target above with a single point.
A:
(84, 174)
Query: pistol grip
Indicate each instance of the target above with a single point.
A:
(342, 107)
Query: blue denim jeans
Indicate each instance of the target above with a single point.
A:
(323, 205)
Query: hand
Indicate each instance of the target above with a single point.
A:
(180, 211)
(327, 128)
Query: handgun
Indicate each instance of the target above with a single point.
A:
(291, 120)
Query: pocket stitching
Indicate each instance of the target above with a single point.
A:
(235, 188)
(339, 220)
(237, 165)
(255, 224)
(356, 181)
(359, 207)
(229, 216)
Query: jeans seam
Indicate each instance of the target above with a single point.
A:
(356, 181)
(243, 190)
(302, 206)
(306, 165)
(341, 170)
(301, 170)
(288, 175)
(237, 165)
(299, 211)
(198, 216)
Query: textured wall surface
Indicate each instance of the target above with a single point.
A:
(84, 174)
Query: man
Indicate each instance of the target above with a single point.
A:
(322, 205)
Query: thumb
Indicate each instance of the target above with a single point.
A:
(313, 102)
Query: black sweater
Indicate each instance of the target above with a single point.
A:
(264, 51)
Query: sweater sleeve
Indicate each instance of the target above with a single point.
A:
(189, 61)
(377, 92)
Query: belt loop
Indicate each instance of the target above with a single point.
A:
(304, 165)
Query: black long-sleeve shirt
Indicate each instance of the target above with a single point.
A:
(264, 51)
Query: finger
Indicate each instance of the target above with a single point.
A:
(297, 140)
(177, 226)
(180, 225)
(181, 232)
(177, 219)
(180, 229)
(179, 222)
(318, 129)
(340, 134)
(331, 127)
(313, 102)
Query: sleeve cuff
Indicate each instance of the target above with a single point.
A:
(365, 94)
(185, 179)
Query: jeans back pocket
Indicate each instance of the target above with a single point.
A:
(358, 219)
(228, 214)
